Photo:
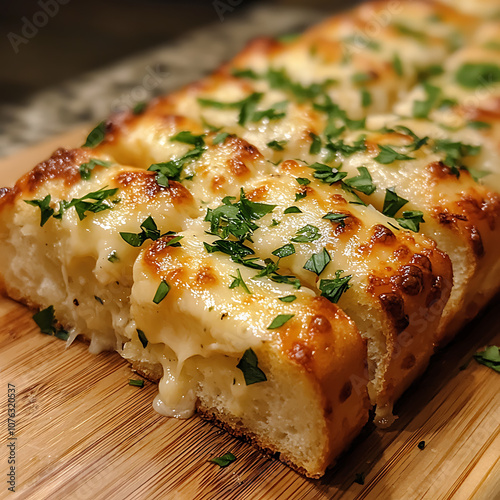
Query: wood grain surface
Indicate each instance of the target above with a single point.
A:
(83, 433)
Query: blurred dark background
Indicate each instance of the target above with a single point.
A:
(45, 42)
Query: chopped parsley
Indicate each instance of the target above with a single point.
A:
(288, 298)
(136, 382)
(139, 108)
(279, 321)
(279, 79)
(366, 98)
(46, 321)
(362, 182)
(303, 181)
(220, 138)
(362, 77)
(46, 211)
(284, 251)
(315, 144)
(490, 357)
(411, 220)
(92, 202)
(478, 125)
(236, 219)
(346, 149)
(224, 460)
(406, 30)
(86, 168)
(238, 281)
(337, 120)
(307, 234)
(113, 257)
(392, 202)
(277, 145)
(275, 112)
(98, 202)
(326, 174)
(455, 152)
(161, 292)
(235, 249)
(336, 217)
(421, 109)
(142, 337)
(292, 210)
(171, 170)
(397, 64)
(318, 261)
(96, 136)
(360, 478)
(248, 364)
(388, 155)
(333, 289)
(149, 231)
(245, 106)
(299, 196)
(475, 75)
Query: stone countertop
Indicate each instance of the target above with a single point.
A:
(93, 96)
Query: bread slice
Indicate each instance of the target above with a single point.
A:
(202, 328)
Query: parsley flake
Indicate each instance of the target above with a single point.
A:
(248, 364)
(238, 281)
(490, 357)
(161, 292)
(149, 231)
(307, 234)
(46, 211)
(475, 75)
(318, 261)
(392, 202)
(421, 109)
(362, 182)
(284, 251)
(113, 257)
(136, 382)
(46, 321)
(326, 174)
(411, 220)
(220, 138)
(142, 337)
(388, 155)
(277, 145)
(279, 321)
(315, 144)
(333, 289)
(96, 136)
(292, 210)
(336, 217)
(288, 298)
(224, 460)
(86, 168)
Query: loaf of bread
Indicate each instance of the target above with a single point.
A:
(282, 245)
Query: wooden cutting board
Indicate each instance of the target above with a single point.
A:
(81, 432)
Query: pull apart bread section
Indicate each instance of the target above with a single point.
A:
(261, 242)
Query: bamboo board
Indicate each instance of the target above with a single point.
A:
(83, 433)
